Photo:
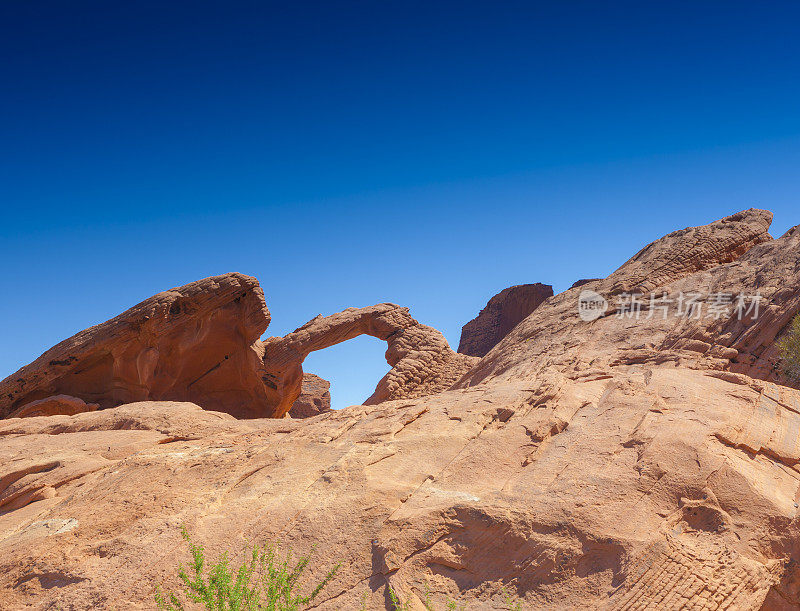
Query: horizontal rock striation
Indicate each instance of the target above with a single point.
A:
(690, 250)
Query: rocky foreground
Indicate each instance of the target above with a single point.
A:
(640, 460)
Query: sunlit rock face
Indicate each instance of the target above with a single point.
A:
(503, 312)
(199, 343)
(422, 362)
(626, 462)
(314, 399)
(192, 343)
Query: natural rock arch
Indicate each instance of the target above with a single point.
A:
(199, 343)
(421, 359)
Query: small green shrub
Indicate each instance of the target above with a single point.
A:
(264, 582)
(789, 348)
(513, 605)
(398, 606)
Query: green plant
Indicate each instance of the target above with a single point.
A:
(789, 348)
(513, 605)
(264, 582)
(398, 606)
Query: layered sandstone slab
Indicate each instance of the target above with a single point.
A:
(691, 250)
(503, 312)
(613, 491)
(734, 257)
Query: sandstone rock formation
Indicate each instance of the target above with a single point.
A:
(200, 343)
(766, 268)
(421, 359)
(623, 463)
(503, 312)
(583, 281)
(193, 343)
(691, 250)
(314, 399)
(62, 405)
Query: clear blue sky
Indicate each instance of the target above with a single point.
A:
(350, 153)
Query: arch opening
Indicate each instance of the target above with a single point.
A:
(421, 360)
(353, 369)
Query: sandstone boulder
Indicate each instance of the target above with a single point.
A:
(314, 399)
(503, 312)
(192, 343)
(63, 405)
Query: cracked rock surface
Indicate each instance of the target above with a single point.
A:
(613, 464)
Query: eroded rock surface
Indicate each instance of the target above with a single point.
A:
(199, 343)
(583, 281)
(421, 359)
(314, 399)
(192, 343)
(623, 463)
(690, 250)
(503, 312)
(769, 270)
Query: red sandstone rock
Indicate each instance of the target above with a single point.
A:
(691, 250)
(421, 359)
(55, 405)
(615, 464)
(735, 255)
(193, 343)
(200, 343)
(583, 281)
(314, 399)
(503, 312)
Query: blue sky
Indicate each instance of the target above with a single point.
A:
(351, 153)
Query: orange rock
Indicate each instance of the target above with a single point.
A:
(421, 359)
(55, 405)
(193, 343)
(503, 312)
(314, 399)
(614, 464)
(199, 343)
